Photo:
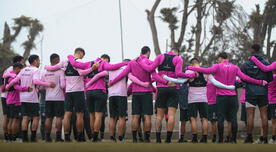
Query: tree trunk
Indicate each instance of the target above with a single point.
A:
(183, 24)
(173, 44)
(151, 20)
(273, 58)
(199, 9)
(268, 43)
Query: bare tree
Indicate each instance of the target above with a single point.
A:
(6, 50)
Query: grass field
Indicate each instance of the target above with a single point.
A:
(130, 147)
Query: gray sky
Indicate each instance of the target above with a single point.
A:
(92, 24)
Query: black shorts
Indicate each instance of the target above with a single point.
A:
(117, 106)
(14, 112)
(54, 109)
(167, 98)
(142, 103)
(184, 115)
(227, 107)
(260, 101)
(212, 112)
(30, 109)
(272, 111)
(243, 112)
(74, 101)
(96, 101)
(195, 108)
(4, 106)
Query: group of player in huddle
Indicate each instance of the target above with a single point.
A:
(75, 86)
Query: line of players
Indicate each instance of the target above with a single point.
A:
(72, 85)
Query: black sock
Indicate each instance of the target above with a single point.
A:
(274, 137)
(194, 136)
(112, 138)
(102, 135)
(6, 136)
(121, 138)
(134, 135)
(58, 135)
(249, 135)
(14, 137)
(147, 135)
(169, 136)
(10, 137)
(204, 136)
(33, 136)
(140, 134)
(265, 139)
(67, 137)
(181, 136)
(158, 137)
(25, 135)
(214, 136)
(95, 138)
(261, 138)
(48, 135)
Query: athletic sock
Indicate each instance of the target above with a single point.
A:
(95, 138)
(204, 138)
(9, 137)
(58, 136)
(112, 138)
(214, 138)
(249, 138)
(194, 139)
(273, 137)
(265, 140)
(169, 136)
(80, 137)
(25, 136)
(140, 134)
(102, 135)
(121, 138)
(48, 137)
(14, 137)
(67, 137)
(147, 136)
(261, 138)
(134, 136)
(6, 136)
(158, 137)
(33, 136)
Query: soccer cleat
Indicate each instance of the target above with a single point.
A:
(194, 140)
(248, 140)
(113, 139)
(214, 139)
(59, 140)
(271, 141)
(203, 139)
(48, 139)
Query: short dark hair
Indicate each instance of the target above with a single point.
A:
(126, 60)
(32, 58)
(17, 59)
(145, 50)
(77, 50)
(223, 55)
(105, 56)
(53, 57)
(256, 47)
(176, 49)
(194, 59)
(17, 65)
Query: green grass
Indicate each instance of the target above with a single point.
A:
(130, 147)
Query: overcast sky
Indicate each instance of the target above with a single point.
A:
(91, 24)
